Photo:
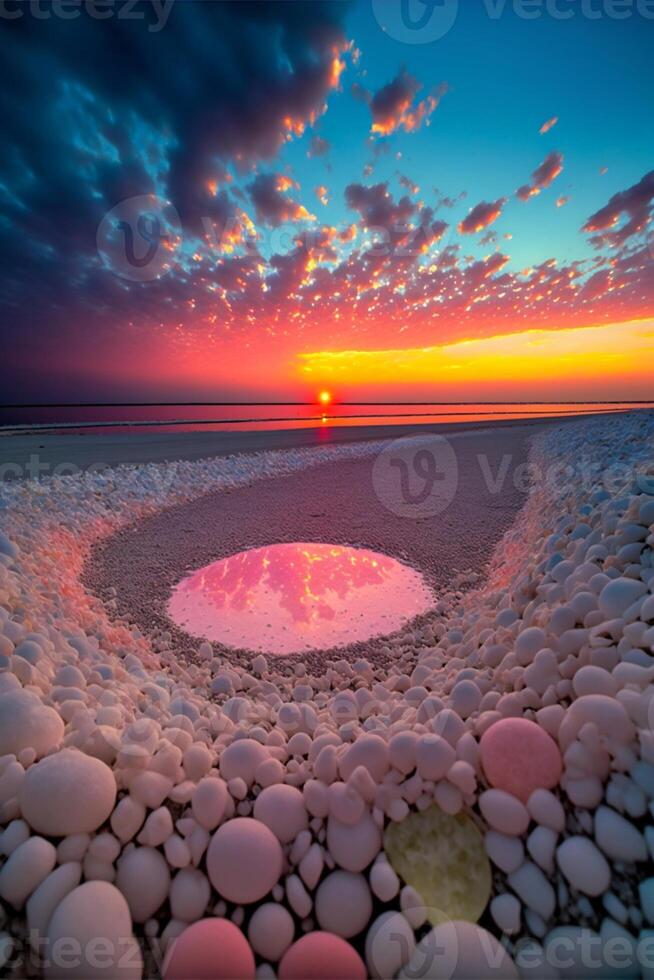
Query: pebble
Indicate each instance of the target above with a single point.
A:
(618, 595)
(390, 943)
(546, 810)
(93, 921)
(443, 858)
(384, 883)
(434, 757)
(271, 931)
(617, 837)
(321, 956)
(343, 904)
(46, 898)
(55, 782)
(244, 860)
(209, 802)
(25, 869)
(504, 812)
(583, 865)
(505, 910)
(506, 852)
(25, 722)
(353, 846)
(518, 756)
(143, 877)
(531, 885)
(190, 894)
(213, 949)
(281, 808)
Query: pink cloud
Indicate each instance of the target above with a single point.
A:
(481, 216)
(542, 176)
(634, 204)
(393, 106)
(545, 128)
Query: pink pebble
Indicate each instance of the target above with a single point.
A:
(212, 949)
(518, 756)
(321, 956)
(244, 860)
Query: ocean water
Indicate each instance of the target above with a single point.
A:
(191, 417)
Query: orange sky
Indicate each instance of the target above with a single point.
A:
(612, 360)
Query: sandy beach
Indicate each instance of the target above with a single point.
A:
(42, 453)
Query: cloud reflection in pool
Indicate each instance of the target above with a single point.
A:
(288, 598)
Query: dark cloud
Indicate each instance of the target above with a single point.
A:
(634, 204)
(272, 204)
(542, 176)
(393, 107)
(377, 207)
(109, 110)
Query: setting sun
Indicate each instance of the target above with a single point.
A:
(324, 397)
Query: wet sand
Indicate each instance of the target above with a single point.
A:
(45, 453)
(333, 502)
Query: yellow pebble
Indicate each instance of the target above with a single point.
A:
(444, 859)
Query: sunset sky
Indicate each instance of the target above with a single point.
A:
(459, 219)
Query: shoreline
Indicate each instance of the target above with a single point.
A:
(41, 454)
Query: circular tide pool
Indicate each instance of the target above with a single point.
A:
(292, 598)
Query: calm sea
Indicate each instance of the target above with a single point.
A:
(196, 417)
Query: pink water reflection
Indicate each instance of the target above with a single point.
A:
(286, 598)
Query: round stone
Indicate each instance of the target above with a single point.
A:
(27, 723)
(25, 869)
(241, 759)
(144, 879)
(617, 595)
(244, 860)
(67, 793)
(281, 808)
(584, 865)
(212, 949)
(443, 858)
(518, 756)
(90, 936)
(503, 812)
(389, 945)
(343, 904)
(353, 846)
(321, 956)
(271, 931)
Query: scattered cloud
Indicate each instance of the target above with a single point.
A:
(545, 128)
(481, 216)
(394, 106)
(634, 204)
(542, 176)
